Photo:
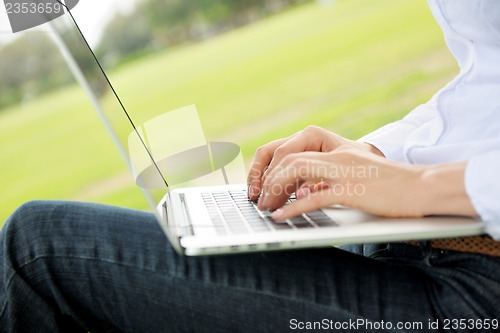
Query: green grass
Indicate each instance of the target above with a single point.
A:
(350, 68)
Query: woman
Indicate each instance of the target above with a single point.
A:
(69, 267)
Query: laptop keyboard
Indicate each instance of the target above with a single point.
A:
(232, 213)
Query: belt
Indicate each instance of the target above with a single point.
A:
(475, 244)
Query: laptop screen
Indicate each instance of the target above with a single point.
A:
(161, 147)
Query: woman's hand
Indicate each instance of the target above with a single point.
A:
(312, 138)
(356, 178)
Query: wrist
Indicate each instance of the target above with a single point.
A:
(375, 150)
(442, 189)
(369, 148)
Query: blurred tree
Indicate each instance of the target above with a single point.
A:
(176, 21)
(30, 65)
(169, 19)
(125, 34)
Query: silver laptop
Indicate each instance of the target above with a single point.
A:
(220, 219)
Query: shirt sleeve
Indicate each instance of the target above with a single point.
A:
(390, 138)
(482, 184)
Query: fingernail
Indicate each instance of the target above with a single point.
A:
(263, 201)
(278, 215)
(303, 192)
(252, 192)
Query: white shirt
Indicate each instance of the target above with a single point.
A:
(461, 122)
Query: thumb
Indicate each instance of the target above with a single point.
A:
(306, 204)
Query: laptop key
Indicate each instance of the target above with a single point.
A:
(280, 225)
(238, 230)
(221, 231)
(321, 219)
(301, 222)
(259, 226)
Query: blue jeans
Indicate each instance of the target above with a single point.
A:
(78, 267)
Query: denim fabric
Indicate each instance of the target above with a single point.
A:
(78, 267)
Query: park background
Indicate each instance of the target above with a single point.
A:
(256, 70)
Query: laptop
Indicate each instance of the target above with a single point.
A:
(220, 219)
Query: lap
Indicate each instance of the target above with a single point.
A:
(112, 269)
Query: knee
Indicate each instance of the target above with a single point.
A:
(28, 217)
(30, 228)
(30, 211)
(19, 230)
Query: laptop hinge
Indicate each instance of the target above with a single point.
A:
(178, 231)
(186, 227)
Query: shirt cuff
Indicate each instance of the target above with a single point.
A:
(482, 184)
(389, 140)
